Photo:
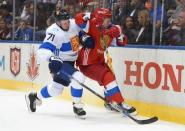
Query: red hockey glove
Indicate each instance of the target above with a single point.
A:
(122, 40)
(79, 19)
(112, 32)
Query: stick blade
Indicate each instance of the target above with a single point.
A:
(147, 121)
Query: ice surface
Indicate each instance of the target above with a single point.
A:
(57, 115)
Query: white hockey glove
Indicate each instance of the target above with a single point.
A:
(87, 16)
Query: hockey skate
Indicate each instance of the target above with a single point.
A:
(109, 107)
(79, 111)
(32, 101)
(121, 107)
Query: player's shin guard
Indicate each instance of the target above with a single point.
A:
(77, 105)
(44, 92)
(112, 93)
(53, 89)
(76, 92)
(115, 100)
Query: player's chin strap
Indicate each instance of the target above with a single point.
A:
(145, 121)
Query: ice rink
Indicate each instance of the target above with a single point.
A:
(57, 115)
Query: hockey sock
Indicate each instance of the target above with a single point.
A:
(113, 93)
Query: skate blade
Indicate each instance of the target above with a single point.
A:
(38, 102)
(81, 117)
(111, 109)
(131, 114)
(28, 103)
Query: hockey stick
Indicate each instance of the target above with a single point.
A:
(109, 63)
(146, 121)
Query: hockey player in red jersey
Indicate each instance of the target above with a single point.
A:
(92, 62)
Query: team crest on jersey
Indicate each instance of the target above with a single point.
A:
(15, 60)
(75, 43)
(32, 66)
(104, 41)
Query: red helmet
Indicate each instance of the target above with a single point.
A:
(101, 13)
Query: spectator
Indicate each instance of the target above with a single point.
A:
(49, 1)
(40, 35)
(121, 11)
(73, 2)
(130, 30)
(135, 7)
(170, 4)
(181, 18)
(58, 7)
(180, 5)
(71, 10)
(175, 35)
(144, 35)
(42, 16)
(24, 32)
(88, 7)
(49, 7)
(27, 13)
(158, 15)
(5, 14)
(5, 33)
(50, 21)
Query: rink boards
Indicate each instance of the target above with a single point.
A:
(152, 79)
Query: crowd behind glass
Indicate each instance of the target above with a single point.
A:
(144, 22)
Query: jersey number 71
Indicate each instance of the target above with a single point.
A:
(51, 36)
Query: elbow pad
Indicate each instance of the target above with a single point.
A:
(44, 54)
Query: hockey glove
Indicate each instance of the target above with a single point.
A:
(55, 64)
(87, 16)
(112, 32)
(86, 40)
(122, 40)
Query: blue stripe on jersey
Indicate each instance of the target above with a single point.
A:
(44, 92)
(47, 45)
(66, 47)
(57, 51)
(112, 91)
(76, 92)
(83, 25)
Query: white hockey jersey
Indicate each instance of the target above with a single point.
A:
(64, 44)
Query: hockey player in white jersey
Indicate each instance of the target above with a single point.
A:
(60, 48)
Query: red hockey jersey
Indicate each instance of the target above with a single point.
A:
(96, 55)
